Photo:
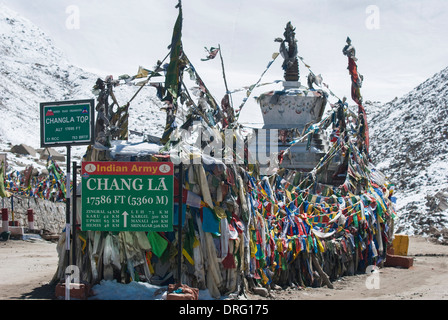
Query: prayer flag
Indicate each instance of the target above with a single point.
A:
(3, 192)
(172, 74)
(212, 53)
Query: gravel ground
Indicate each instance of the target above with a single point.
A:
(28, 267)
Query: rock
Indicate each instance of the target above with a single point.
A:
(263, 292)
(23, 149)
(35, 172)
(275, 287)
(44, 172)
(4, 236)
(442, 196)
(47, 152)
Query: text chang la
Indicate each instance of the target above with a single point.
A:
(130, 184)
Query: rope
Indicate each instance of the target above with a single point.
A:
(249, 92)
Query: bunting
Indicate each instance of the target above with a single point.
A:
(252, 87)
(50, 187)
(357, 79)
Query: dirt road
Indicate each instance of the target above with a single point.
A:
(27, 268)
(426, 280)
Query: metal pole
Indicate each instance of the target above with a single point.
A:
(67, 226)
(179, 223)
(74, 212)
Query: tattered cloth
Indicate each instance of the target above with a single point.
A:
(182, 292)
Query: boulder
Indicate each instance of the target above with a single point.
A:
(261, 291)
(47, 152)
(23, 149)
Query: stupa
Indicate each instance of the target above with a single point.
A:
(293, 110)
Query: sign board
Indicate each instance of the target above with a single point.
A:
(67, 123)
(127, 196)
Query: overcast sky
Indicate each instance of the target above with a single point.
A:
(399, 43)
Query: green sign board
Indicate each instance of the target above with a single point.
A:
(127, 196)
(67, 123)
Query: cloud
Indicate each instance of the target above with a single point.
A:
(115, 37)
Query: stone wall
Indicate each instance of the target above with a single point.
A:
(48, 216)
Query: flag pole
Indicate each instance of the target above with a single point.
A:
(224, 76)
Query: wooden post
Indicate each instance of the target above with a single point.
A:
(321, 272)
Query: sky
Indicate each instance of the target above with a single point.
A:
(399, 43)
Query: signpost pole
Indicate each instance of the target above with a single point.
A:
(67, 224)
(179, 223)
(74, 212)
(68, 123)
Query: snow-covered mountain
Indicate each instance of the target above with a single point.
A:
(408, 135)
(410, 144)
(34, 70)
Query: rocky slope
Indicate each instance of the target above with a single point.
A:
(408, 135)
(410, 144)
(34, 70)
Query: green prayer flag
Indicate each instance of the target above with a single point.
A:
(189, 238)
(158, 243)
(172, 74)
(58, 175)
(3, 192)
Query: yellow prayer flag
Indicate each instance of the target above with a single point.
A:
(320, 245)
(310, 209)
(253, 249)
(264, 277)
(188, 257)
(142, 73)
(196, 242)
(288, 194)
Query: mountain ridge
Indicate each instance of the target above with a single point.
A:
(410, 145)
(34, 70)
(408, 135)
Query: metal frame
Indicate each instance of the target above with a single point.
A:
(91, 103)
